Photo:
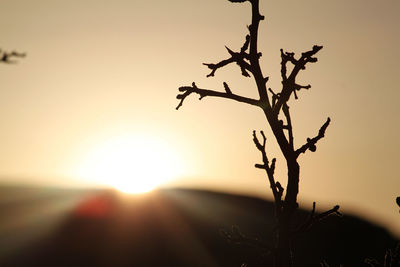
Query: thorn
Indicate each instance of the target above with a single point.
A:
(230, 51)
(260, 166)
(227, 89)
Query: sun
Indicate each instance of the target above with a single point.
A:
(131, 164)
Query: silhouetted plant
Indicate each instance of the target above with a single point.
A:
(6, 57)
(275, 106)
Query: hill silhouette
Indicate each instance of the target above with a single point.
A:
(182, 227)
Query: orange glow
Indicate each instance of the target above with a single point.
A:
(131, 164)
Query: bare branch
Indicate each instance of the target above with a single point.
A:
(227, 89)
(286, 57)
(187, 90)
(214, 67)
(311, 143)
(312, 219)
(334, 210)
(298, 87)
(238, 58)
(289, 85)
(5, 57)
(276, 187)
(286, 112)
(275, 97)
(246, 44)
(253, 28)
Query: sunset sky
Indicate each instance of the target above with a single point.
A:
(100, 72)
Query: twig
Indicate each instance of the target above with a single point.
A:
(311, 143)
(312, 218)
(187, 90)
(288, 81)
(277, 189)
(275, 97)
(5, 57)
(240, 59)
(286, 112)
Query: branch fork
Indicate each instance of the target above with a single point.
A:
(314, 218)
(241, 59)
(187, 90)
(289, 84)
(276, 187)
(311, 142)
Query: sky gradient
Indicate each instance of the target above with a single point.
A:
(100, 69)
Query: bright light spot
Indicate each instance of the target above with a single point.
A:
(131, 164)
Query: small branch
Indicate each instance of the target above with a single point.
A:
(246, 44)
(311, 143)
(298, 87)
(275, 97)
(6, 57)
(286, 57)
(312, 219)
(334, 210)
(289, 85)
(214, 67)
(277, 189)
(239, 58)
(286, 112)
(227, 89)
(187, 90)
